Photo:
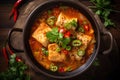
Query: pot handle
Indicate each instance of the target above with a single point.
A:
(105, 32)
(9, 39)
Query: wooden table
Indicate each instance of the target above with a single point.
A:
(108, 62)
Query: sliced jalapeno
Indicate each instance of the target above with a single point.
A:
(51, 20)
(81, 52)
(76, 43)
(68, 48)
(53, 67)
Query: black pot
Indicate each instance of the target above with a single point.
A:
(27, 28)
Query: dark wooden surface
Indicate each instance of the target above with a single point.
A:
(109, 66)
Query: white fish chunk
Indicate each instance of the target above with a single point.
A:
(40, 34)
(86, 39)
(54, 55)
(62, 19)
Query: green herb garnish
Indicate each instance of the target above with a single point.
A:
(57, 37)
(103, 9)
(53, 35)
(96, 62)
(70, 24)
(45, 51)
(16, 70)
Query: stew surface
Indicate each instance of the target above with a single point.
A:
(62, 39)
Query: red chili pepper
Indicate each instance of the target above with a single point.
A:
(15, 15)
(14, 11)
(10, 51)
(5, 54)
(86, 27)
(67, 34)
(64, 51)
(61, 69)
(18, 59)
(17, 3)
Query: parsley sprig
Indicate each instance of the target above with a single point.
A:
(55, 36)
(103, 9)
(16, 70)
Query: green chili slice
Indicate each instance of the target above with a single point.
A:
(81, 52)
(68, 48)
(51, 20)
(53, 67)
(76, 43)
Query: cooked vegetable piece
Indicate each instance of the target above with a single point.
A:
(70, 24)
(58, 49)
(45, 51)
(81, 52)
(61, 69)
(67, 34)
(81, 29)
(68, 48)
(76, 43)
(53, 68)
(51, 20)
(49, 12)
(65, 42)
(64, 51)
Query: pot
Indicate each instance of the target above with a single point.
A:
(94, 19)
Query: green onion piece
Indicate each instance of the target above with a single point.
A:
(44, 51)
(68, 48)
(81, 29)
(70, 24)
(49, 12)
(53, 68)
(76, 43)
(60, 35)
(58, 49)
(81, 52)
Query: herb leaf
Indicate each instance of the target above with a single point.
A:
(103, 9)
(15, 71)
(52, 35)
(57, 37)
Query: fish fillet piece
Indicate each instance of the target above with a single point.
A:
(54, 55)
(40, 34)
(62, 19)
(86, 39)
